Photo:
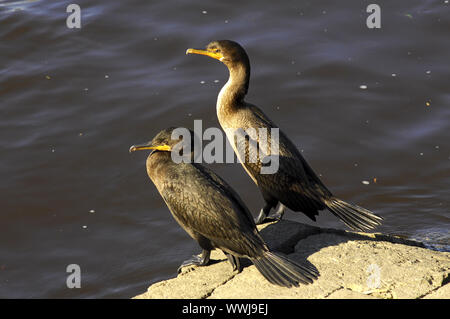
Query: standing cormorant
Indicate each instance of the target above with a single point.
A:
(213, 214)
(294, 184)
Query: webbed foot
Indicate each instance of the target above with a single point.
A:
(263, 216)
(196, 260)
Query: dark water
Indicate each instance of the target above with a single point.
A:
(73, 101)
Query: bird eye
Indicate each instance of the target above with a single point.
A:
(217, 50)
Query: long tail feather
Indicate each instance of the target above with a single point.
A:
(353, 216)
(281, 271)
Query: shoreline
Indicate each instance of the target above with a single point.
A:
(351, 265)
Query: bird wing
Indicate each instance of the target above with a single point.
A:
(294, 183)
(204, 203)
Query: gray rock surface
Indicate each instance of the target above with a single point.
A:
(351, 265)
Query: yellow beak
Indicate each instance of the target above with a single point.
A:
(166, 148)
(214, 55)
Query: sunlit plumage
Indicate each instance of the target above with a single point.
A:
(294, 185)
(213, 214)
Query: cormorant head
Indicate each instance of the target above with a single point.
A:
(168, 140)
(226, 51)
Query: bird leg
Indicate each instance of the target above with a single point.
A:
(234, 261)
(262, 217)
(196, 260)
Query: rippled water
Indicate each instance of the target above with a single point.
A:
(361, 104)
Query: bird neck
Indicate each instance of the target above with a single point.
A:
(232, 94)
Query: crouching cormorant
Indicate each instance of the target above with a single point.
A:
(213, 214)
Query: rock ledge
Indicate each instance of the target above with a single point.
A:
(351, 265)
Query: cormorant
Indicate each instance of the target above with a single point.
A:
(213, 214)
(294, 184)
